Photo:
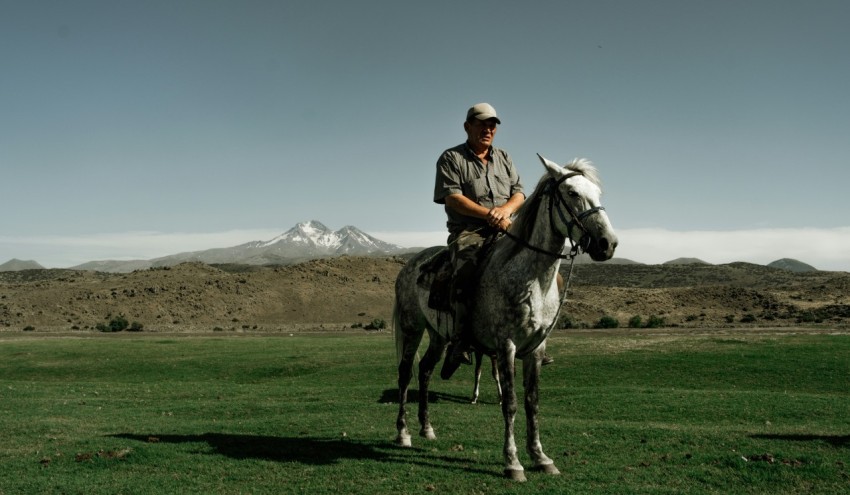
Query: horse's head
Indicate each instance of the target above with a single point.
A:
(576, 211)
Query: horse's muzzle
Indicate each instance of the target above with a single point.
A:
(602, 249)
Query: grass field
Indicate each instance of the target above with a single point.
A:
(621, 413)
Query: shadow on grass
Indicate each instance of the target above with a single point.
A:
(312, 451)
(390, 396)
(283, 449)
(834, 440)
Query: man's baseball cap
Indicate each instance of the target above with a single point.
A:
(482, 111)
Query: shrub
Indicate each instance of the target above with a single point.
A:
(118, 324)
(655, 322)
(635, 321)
(566, 321)
(29, 328)
(607, 322)
(376, 324)
(136, 327)
(748, 318)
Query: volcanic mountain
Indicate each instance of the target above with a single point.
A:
(307, 240)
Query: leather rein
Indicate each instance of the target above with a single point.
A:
(555, 202)
(575, 220)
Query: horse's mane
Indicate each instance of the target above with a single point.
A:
(523, 224)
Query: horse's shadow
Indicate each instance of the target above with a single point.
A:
(282, 449)
(390, 395)
(312, 451)
(834, 440)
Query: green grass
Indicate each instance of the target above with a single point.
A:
(315, 414)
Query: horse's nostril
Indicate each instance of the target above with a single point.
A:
(603, 244)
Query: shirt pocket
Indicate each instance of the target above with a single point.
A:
(501, 188)
(478, 190)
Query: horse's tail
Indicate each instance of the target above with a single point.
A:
(397, 337)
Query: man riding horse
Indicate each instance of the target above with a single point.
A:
(481, 190)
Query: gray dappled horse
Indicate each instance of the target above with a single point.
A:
(516, 302)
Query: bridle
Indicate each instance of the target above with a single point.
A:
(558, 204)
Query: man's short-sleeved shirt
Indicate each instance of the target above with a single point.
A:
(459, 171)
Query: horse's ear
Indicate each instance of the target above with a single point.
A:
(554, 169)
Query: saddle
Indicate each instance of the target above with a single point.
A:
(436, 276)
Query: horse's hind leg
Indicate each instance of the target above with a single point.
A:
(495, 372)
(436, 347)
(479, 357)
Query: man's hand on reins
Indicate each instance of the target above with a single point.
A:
(505, 224)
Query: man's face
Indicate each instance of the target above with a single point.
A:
(480, 133)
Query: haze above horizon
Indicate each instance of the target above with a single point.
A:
(142, 129)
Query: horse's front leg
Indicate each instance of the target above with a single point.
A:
(505, 358)
(531, 383)
(436, 347)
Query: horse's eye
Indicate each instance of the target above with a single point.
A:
(572, 194)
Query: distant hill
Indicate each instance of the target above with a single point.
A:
(16, 265)
(792, 265)
(686, 261)
(335, 293)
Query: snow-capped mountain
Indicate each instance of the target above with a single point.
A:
(304, 241)
(312, 240)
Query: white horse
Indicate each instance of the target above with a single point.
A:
(516, 302)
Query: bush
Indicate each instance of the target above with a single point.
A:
(136, 327)
(748, 318)
(607, 322)
(116, 324)
(635, 321)
(655, 322)
(566, 321)
(376, 324)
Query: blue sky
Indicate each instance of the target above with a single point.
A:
(141, 129)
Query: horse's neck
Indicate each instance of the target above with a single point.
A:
(531, 264)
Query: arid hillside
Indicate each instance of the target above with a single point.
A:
(346, 292)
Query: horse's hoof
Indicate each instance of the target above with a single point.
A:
(547, 469)
(403, 441)
(517, 475)
(428, 434)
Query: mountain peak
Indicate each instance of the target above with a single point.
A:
(311, 225)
